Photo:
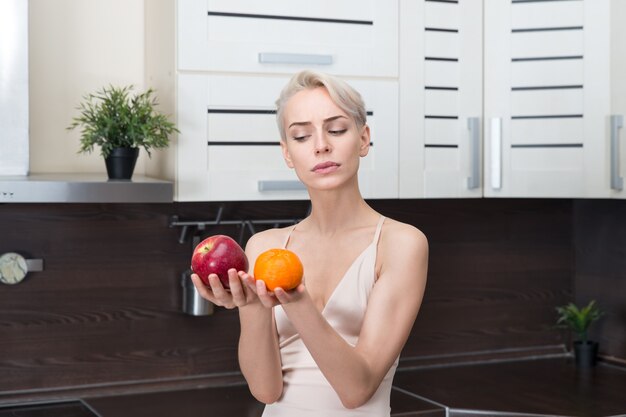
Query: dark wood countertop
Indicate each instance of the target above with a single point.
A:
(549, 386)
(540, 386)
(537, 386)
(230, 401)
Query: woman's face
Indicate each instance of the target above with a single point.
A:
(323, 143)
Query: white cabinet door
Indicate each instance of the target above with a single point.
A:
(378, 172)
(553, 75)
(346, 37)
(441, 99)
(228, 148)
(616, 132)
(221, 64)
(543, 99)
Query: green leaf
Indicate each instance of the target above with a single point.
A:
(577, 319)
(112, 117)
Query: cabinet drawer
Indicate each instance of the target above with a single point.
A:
(229, 145)
(347, 37)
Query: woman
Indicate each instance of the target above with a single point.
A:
(331, 346)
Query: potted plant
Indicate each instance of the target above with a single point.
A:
(578, 321)
(121, 123)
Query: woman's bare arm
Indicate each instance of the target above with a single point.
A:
(259, 354)
(356, 372)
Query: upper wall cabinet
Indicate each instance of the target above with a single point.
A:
(543, 99)
(222, 64)
(525, 96)
(441, 99)
(612, 40)
(228, 148)
(347, 37)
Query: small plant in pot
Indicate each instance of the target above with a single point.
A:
(120, 123)
(578, 321)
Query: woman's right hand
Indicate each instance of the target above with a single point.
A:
(239, 294)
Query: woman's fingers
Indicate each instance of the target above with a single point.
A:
(285, 297)
(214, 292)
(218, 289)
(243, 287)
(204, 291)
(282, 296)
(267, 298)
(237, 288)
(248, 281)
(239, 294)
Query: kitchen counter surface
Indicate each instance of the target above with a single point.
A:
(60, 409)
(504, 388)
(231, 401)
(541, 386)
(549, 386)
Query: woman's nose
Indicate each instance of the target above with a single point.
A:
(321, 146)
(324, 149)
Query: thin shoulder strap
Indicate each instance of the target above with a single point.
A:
(289, 236)
(379, 228)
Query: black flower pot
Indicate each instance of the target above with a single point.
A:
(121, 163)
(585, 354)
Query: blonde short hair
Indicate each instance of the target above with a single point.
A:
(347, 98)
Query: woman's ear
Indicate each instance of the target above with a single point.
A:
(286, 155)
(365, 141)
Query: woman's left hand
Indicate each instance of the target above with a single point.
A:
(273, 298)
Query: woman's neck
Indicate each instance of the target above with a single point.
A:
(337, 210)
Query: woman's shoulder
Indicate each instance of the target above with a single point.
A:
(401, 240)
(268, 239)
(402, 247)
(395, 232)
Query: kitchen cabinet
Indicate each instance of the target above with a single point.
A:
(347, 37)
(242, 159)
(542, 121)
(218, 66)
(441, 99)
(524, 97)
(613, 35)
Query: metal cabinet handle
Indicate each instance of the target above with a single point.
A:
(496, 153)
(473, 125)
(617, 122)
(299, 59)
(34, 265)
(278, 185)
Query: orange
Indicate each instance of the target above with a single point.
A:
(279, 268)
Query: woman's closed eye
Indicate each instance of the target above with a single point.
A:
(299, 138)
(337, 132)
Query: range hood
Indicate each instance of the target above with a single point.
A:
(83, 188)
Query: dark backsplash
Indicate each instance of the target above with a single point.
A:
(600, 242)
(106, 309)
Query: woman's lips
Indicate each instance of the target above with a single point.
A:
(325, 167)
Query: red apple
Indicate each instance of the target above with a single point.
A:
(216, 255)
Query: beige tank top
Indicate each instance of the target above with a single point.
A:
(306, 392)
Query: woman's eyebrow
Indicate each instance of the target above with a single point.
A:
(300, 124)
(330, 119)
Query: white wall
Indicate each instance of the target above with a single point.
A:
(77, 47)
(13, 87)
